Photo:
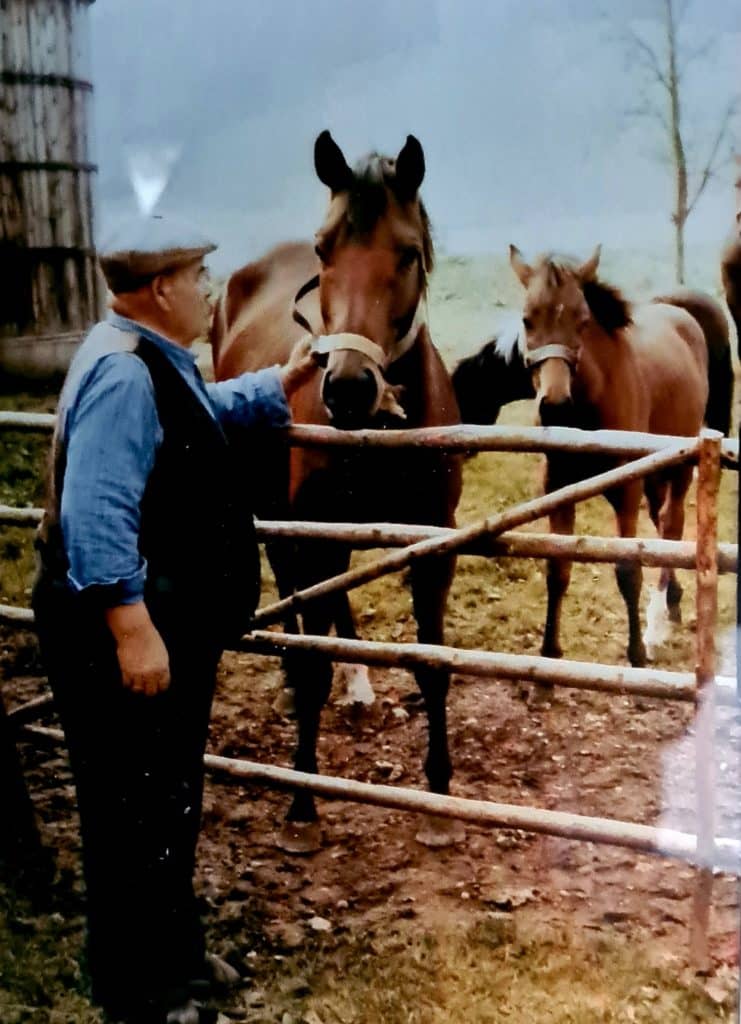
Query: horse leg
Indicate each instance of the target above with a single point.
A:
(656, 632)
(561, 520)
(309, 675)
(281, 555)
(430, 583)
(353, 681)
(664, 606)
(629, 575)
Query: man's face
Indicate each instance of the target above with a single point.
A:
(189, 312)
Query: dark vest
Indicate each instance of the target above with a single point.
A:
(197, 530)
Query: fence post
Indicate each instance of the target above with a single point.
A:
(708, 480)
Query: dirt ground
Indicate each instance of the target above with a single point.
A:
(579, 752)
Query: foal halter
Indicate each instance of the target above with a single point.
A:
(539, 355)
(373, 356)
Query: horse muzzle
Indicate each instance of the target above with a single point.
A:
(350, 400)
(557, 414)
(353, 387)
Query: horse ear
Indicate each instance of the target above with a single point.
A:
(588, 270)
(331, 166)
(410, 169)
(523, 270)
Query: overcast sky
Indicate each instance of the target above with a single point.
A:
(520, 106)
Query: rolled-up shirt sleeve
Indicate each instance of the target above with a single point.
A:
(251, 400)
(112, 433)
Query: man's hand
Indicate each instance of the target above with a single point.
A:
(142, 655)
(300, 366)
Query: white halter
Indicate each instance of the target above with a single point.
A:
(374, 357)
(537, 356)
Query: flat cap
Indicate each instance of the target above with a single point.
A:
(146, 246)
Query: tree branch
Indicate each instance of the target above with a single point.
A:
(646, 110)
(703, 50)
(650, 59)
(709, 168)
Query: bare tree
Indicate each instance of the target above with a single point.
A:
(664, 65)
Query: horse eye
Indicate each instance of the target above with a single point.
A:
(527, 323)
(408, 257)
(321, 253)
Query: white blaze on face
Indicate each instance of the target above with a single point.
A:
(354, 683)
(658, 625)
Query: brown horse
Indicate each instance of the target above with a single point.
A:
(731, 264)
(362, 289)
(598, 362)
(497, 373)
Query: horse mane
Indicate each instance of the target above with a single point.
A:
(373, 177)
(607, 304)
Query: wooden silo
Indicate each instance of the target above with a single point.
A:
(49, 287)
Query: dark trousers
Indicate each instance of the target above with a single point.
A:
(137, 763)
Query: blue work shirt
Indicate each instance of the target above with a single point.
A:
(111, 431)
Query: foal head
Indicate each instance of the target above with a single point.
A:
(563, 299)
(375, 251)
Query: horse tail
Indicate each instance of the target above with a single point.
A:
(710, 316)
(730, 272)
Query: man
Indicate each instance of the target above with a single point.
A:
(149, 566)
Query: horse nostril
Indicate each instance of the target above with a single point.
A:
(326, 385)
(349, 400)
(556, 414)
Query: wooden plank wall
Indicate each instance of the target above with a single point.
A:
(46, 201)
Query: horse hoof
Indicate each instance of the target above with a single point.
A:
(674, 612)
(355, 682)
(551, 651)
(640, 655)
(536, 695)
(285, 702)
(300, 837)
(541, 695)
(438, 832)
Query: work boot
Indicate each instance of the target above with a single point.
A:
(185, 1013)
(188, 1013)
(214, 975)
(222, 973)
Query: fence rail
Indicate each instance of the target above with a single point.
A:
(634, 836)
(467, 438)
(497, 535)
(675, 554)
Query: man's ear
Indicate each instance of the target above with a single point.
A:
(161, 291)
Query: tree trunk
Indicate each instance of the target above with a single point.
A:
(679, 249)
(680, 214)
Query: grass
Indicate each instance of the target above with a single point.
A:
(23, 462)
(478, 978)
(499, 604)
(489, 973)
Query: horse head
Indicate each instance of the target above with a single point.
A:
(492, 377)
(562, 299)
(375, 252)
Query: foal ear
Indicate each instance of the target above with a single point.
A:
(410, 169)
(523, 270)
(588, 270)
(331, 166)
